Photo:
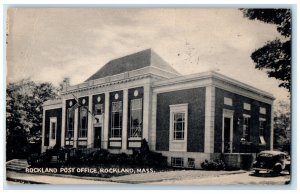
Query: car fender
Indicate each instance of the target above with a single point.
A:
(278, 164)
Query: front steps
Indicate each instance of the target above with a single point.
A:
(17, 164)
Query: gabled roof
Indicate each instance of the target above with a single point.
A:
(132, 62)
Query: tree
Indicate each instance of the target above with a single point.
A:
(274, 56)
(24, 114)
(282, 126)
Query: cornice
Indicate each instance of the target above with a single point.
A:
(222, 80)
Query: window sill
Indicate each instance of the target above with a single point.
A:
(82, 138)
(135, 138)
(115, 138)
(178, 141)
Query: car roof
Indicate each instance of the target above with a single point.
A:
(272, 152)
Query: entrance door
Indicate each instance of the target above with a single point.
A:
(227, 131)
(227, 142)
(97, 138)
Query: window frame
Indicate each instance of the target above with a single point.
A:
(175, 125)
(178, 109)
(191, 163)
(174, 162)
(112, 114)
(140, 112)
(177, 145)
(80, 128)
(245, 116)
(68, 124)
(262, 140)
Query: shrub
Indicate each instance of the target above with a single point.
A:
(39, 159)
(148, 158)
(99, 156)
(213, 165)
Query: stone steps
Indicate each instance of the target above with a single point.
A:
(17, 165)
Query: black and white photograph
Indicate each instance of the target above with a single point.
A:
(149, 96)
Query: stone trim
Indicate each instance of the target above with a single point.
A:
(209, 119)
(146, 72)
(152, 129)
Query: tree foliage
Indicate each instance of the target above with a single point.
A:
(24, 113)
(282, 126)
(274, 56)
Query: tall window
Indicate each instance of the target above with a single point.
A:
(178, 127)
(179, 123)
(246, 127)
(116, 119)
(70, 123)
(136, 120)
(83, 121)
(262, 126)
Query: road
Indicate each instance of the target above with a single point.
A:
(182, 177)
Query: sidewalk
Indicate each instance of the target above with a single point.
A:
(129, 179)
(178, 175)
(231, 179)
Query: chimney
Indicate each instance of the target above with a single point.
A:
(66, 83)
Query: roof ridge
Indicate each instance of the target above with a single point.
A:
(130, 62)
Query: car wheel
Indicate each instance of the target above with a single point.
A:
(256, 172)
(277, 169)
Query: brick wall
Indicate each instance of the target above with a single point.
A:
(237, 107)
(195, 98)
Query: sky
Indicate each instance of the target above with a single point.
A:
(48, 44)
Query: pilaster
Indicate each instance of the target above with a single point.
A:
(76, 128)
(106, 122)
(209, 119)
(125, 119)
(63, 123)
(146, 112)
(152, 129)
(90, 133)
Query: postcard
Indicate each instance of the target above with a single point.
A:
(152, 96)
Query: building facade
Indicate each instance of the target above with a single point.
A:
(140, 96)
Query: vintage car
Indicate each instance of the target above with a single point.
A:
(272, 161)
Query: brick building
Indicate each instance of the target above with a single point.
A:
(186, 118)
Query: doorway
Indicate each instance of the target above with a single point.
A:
(97, 137)
(227, 131)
